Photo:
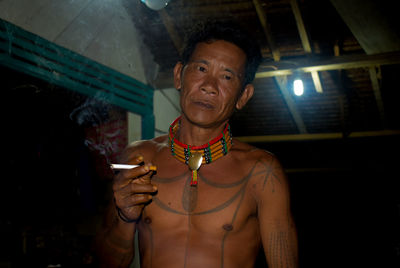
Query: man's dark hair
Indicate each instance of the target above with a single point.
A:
(209, 31)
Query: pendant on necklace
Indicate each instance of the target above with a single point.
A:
(194, 163)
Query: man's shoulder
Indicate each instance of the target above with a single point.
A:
(266, 172)
(146, 148)
(250, 153)
(149, 144)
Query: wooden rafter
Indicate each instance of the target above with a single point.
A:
(305, 41)
(282, 83)
(300, 26)
(319, 136)
(267, 31)
(337, 63)
(373, 73)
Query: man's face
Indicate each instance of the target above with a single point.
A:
(211, 83)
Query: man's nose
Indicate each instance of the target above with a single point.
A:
(210, 85)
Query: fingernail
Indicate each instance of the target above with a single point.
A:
(146, 168)
(140, 158)
(155, 188)
(150, 196)
(154, 168)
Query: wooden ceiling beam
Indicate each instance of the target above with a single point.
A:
(317, 136)
(337, 63)
(281, 80)
(282, 83)
(165, 79)
(300, 26)
(305, 41)
(374, 73)
(267, 31)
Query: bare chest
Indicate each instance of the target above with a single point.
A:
(220, 202)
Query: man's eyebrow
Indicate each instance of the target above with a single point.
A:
(226, 69)
(233, 72)
(230, 71)
(200, 61)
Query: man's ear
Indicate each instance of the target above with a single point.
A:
(178, 75)
(245, 96)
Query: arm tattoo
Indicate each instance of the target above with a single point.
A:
(280, 253)
(269, 171)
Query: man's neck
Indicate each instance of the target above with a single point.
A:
(195, 135)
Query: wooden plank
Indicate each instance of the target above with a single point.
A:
(300, 26)
(305, 41)
(267, 31)
(319, 136)
(165, 78)
(337, 63)
(282, 83)
(377, 92)
(317, 81)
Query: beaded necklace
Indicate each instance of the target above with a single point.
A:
(195, 156)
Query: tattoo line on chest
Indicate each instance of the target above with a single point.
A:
(190, 195)
(189, 199)
(189, 202)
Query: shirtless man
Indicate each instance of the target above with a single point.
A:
(215, 215)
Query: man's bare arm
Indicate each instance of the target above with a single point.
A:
(132, 190)
(115, 241)
(277, 228)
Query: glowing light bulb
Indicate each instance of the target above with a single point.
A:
(155, 4)
(298, 87)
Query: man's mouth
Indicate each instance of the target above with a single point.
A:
(205, 105)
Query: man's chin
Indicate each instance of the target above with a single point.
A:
(204, 120)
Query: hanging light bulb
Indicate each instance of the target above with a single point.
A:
(298, 87)
(155, 4)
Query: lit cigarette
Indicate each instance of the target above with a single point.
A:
(123, 166)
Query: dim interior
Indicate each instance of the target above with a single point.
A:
(345, 190)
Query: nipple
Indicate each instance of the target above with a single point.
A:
(227, 227)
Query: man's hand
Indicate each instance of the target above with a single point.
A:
(133, 190)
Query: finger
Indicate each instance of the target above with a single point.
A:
(132, 160)
(135, 188)
(133, 200)
(125, 177)
(146, 178)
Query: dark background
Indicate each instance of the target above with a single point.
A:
(345, 192)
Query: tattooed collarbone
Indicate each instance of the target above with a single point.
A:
(190, 195)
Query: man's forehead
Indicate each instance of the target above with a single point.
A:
(223, 41)
(219, 49)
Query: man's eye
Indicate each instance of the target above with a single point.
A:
(227, 77)
(201, 68)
